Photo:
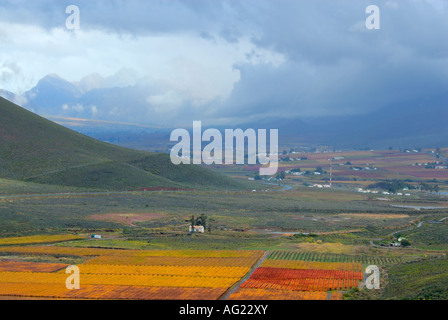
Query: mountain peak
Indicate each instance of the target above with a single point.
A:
(52, 77)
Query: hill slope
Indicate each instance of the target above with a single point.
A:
(35, 149)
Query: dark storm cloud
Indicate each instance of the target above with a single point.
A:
(336, 66)
(332, 63)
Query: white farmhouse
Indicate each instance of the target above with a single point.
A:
(196, 229)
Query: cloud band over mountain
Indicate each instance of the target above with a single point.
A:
(171, 62)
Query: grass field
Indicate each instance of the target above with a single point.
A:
(426, 279)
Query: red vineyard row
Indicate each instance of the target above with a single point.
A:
(267, 273)
(302, 284)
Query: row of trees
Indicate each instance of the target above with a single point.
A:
(396, 185)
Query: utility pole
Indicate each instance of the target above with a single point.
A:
(331, 169)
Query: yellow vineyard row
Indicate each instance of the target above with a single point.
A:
(201, 253)
(197, 271)
(134, 253)
(174, 261)
(38, 239)
(119, 279)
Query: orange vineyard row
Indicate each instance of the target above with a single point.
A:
(198, 271)
(109, 292)
(336, 295)
(269, 294)
(30, 266)
(120, 279)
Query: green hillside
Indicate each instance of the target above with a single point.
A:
(37, 150)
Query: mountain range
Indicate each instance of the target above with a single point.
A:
(105, 102)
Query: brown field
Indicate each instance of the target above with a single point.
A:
(420, 172)
(323, 194)
(340, 231)
(374, 215)
(127, 218)
(359, 174)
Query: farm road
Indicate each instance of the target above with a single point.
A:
(372, 242)
(237, 285)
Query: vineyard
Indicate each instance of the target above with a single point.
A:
(127, 274)
(110, 292)
(283, 276)
(270, 294)
(38, 239)
(13, 266)
(298, 264)
(331, 257)
(303, 279)
(182, 274)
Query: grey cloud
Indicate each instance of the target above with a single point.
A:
(332, 64)
(10, 70)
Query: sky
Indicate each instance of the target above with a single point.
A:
(228, 61)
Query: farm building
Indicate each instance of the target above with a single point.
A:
(96, 236)
(196, 229)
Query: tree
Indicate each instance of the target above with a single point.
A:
(201, 220)
(257, 177)
(405, 243)
(281, 175)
